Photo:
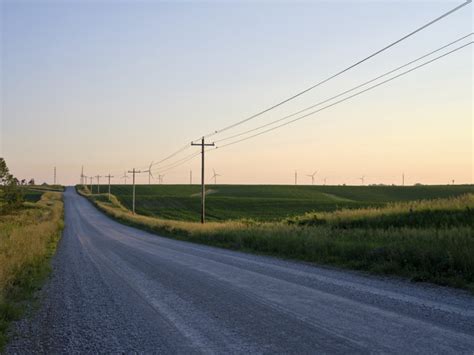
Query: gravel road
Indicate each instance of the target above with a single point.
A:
(118, 289)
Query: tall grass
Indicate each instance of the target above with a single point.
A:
(439, 253)
(28, 238)
(447, 212)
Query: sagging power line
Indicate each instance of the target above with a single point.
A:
(439, 18)
(323, 81)
(346, 98)
(344, 92)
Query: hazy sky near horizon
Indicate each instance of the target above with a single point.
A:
(114, 85)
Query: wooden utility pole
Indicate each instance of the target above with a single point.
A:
(109, 176)
(203, 184)
(98, 183)
(133, 172)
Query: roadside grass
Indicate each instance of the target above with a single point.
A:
(28, 239)
(388, 240)
(439, 213)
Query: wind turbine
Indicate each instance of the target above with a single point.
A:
(324, 181)
(312, 177)
(160, 178)
(125, 176)
(215, 176)
(150, 175)
(362, 179)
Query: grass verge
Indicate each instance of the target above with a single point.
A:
(388, 240)
(28, 239)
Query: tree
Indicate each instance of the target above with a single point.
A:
(12, 194)
(31, 182)
(4, 172)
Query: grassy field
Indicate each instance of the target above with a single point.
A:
(429, 240)
(28, 238)
(268, 202)
(34, 193)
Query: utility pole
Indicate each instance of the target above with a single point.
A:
(296, 177)
(90, 177)
(98, 183)
(82, 175)
(403, 179)
(133, 171)
(190, 177)
(54, 176)
(203, 192)
(109, 176)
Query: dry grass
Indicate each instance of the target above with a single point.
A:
(28, 237)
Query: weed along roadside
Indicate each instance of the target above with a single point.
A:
(28, 239)
(425, 241)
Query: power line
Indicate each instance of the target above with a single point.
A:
(172, 154)
(348, 97)
(340, 72)
(191, 157)
(187, 158)
(165, 167)
(344, 92)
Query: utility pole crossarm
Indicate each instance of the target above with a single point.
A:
(133, 172)
(109, 177)
(203, 187)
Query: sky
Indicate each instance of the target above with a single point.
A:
(113, 85)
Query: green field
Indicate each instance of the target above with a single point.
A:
(269, 202)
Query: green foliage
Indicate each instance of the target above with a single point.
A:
(11, 195)
(4, 172)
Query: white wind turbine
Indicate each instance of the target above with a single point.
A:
(125, 176)
(362, 179)
(160, 178)
(150, 175)
(215, 176)
(312, 177)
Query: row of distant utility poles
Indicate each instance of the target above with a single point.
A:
(84, 181)
(134, 171)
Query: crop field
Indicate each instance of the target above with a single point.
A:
(269, 202)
